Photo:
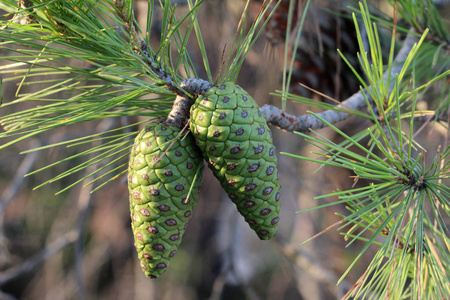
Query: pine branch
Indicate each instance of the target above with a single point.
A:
(141, 46)
(303, 123)
(191, 86)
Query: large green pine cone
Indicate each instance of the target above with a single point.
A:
(158, 193)
(236, 141)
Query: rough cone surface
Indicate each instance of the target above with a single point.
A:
(237, 143)
(159, 205)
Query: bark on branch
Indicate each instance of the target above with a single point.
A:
(303, 123)
(193, 86)
(274, 116)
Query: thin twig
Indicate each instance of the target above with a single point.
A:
(30, 264)
(84, 208)
(123, 15)
(303, 123)
(141, 46)
(193, 86)
(11, 191)
(19, 178)
(84, 204)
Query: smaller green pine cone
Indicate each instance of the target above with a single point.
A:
(161, 171)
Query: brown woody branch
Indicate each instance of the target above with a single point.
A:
(303, 123)
(179, 115)
(192, 86)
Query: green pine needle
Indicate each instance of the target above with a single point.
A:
(85, 58)
(404, 206)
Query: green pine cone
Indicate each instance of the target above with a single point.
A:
(158, 185)
(236, 141)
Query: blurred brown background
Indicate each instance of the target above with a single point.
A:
(43, 255)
